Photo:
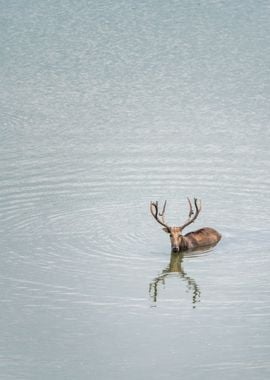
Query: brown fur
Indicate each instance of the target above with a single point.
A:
(201, 238)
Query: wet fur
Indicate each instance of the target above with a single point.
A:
(200, 238)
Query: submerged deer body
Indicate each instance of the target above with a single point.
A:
(201, 238)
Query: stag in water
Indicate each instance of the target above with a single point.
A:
(193, 240)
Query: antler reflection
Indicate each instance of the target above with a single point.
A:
(175, 266)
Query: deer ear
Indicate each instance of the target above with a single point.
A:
(166, 230)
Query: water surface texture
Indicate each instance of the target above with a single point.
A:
(105, 106)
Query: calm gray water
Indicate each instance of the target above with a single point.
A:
(106, 105)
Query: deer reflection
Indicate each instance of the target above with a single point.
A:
(175, 266)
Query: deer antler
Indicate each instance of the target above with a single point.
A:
(156, 214)
(191, 218)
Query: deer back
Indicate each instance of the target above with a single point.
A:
(203, 237)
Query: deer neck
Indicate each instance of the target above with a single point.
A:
(183, 244)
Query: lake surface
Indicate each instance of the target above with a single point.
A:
(105, 106)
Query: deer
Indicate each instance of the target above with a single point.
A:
(203, 237)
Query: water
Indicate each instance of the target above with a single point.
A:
(106, 106)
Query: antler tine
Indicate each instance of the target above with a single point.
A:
(191, 218)
(156, 214)
(153, 209)
(191, 212)
(162, 214)
(198, 207)
(163, 210)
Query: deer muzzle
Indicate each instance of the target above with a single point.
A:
(175, 248)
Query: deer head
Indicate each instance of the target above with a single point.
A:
(178, 241)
